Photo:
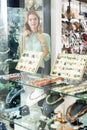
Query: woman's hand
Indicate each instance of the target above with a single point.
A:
(42, 39)
(26, 32)
(43, 44)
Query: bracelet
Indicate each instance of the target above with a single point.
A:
(73, 117)
(53, 102)
(35, 97)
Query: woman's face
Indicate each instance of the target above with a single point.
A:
(33, 22)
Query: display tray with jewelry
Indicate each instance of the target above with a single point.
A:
(12, 76)
(36, 80)
(69, 66)
(45, 82)
(29, 61)
(71, 89)
(72, 68)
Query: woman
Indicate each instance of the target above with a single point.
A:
(34, 40)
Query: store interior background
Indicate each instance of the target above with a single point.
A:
(12, 21)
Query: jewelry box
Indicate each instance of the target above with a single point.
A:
(69, 66)
(29, 61)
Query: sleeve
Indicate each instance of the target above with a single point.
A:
(48, 44)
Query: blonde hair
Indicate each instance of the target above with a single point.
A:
(27, 27)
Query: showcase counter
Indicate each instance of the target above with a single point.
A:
(29, 82)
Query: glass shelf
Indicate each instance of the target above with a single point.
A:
(60, 86)
(24, 79)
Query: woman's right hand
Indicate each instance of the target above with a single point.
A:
(26, 33)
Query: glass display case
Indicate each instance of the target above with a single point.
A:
(24, 102)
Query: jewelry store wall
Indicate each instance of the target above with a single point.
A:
(74, 27)
(68, 41)
(64, 39)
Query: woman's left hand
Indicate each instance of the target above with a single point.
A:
(43, 44)
(41, 38)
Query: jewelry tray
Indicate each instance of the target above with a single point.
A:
(29, 61)
(69, 66)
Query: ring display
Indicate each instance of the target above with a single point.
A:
(69, 66)
(29, 61)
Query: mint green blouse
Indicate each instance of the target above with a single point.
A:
(32, 43)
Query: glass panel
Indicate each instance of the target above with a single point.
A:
(3, 38)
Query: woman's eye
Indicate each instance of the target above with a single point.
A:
(30, 19)
(35, 19)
